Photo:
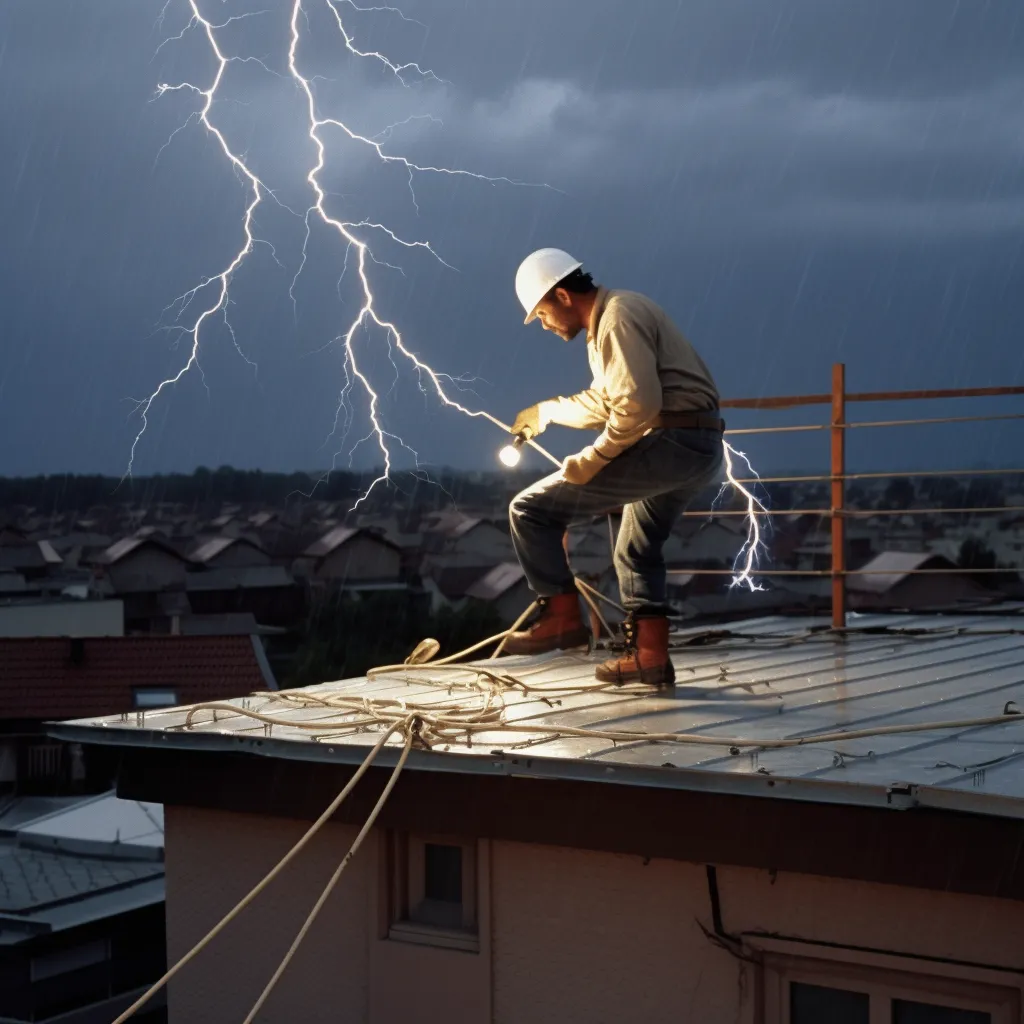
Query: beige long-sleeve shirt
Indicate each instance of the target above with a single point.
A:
(642, 365)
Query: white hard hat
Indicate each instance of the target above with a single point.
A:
(539, 273)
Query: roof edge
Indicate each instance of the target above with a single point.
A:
(896, 796)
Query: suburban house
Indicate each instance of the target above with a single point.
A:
(81, 908)
(705, 541)
(229, 553)
(466, 540)
(349, 557)
(889, 581)
(267, 592)
(30, 559)
(44, 678)
(762, 845)
(504, 588)
(142, 565)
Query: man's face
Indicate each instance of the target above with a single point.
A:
(557, 313)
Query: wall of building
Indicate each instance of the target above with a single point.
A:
(213, 860)
(588, 937)
(146, 569)
(566, 935)
(486, 541)
(361, 558)
(64, 618)
(239, 556)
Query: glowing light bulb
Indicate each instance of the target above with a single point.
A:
(509, 456)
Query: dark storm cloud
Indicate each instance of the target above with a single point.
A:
(797, 181)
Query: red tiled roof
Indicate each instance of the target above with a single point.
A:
(60, 678)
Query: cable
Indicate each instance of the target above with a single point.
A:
(936, 419)
(951, 571)
(594, 592)
(828, 478)
(875, 423)
(264, 882)
(511, 629)
(593, 606)
(533, 444)
(329, 888)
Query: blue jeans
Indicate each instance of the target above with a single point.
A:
(653, 482)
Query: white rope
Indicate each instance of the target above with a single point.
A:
(262, 884)
(329, 888)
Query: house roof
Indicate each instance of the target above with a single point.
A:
(214, 546)
(51, 678)
(329, 541)
(453, 524)
(124, 547)
(496, 582)
(36, 554)
(889, 568)
(100, 819)
(765, 680)
(333, 539)
(86, 860)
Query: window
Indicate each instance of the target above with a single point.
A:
(432, 890)
(154, 697)
(815, 1004)
(44, 761)
(862, 987)
(906, 1012)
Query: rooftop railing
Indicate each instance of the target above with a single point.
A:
(837, 427)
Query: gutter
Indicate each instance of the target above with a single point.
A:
(897, 796)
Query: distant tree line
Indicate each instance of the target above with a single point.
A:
(345, 636)
(434, 489)
(213, 487)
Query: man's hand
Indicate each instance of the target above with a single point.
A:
(531, 421)
(583, 467)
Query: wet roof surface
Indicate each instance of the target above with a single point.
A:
(762, 680)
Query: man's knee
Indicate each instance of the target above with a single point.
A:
(515, 506)
(520, 504)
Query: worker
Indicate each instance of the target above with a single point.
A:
(660, 443)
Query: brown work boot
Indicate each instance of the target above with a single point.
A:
(645, 659)
(558, 625)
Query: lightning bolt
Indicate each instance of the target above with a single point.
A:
(213, 293)
(747, 557)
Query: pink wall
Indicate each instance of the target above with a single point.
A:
(592, 937)
(566, 935)
(213, 860)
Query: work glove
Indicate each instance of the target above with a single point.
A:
(583, 467)
(531, 421)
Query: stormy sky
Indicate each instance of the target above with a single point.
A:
(798, 182)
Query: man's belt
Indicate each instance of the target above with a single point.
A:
(689, 421)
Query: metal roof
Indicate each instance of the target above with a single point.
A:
(77, 863)
(763, 680)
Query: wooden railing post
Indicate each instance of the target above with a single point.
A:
(838, 495)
